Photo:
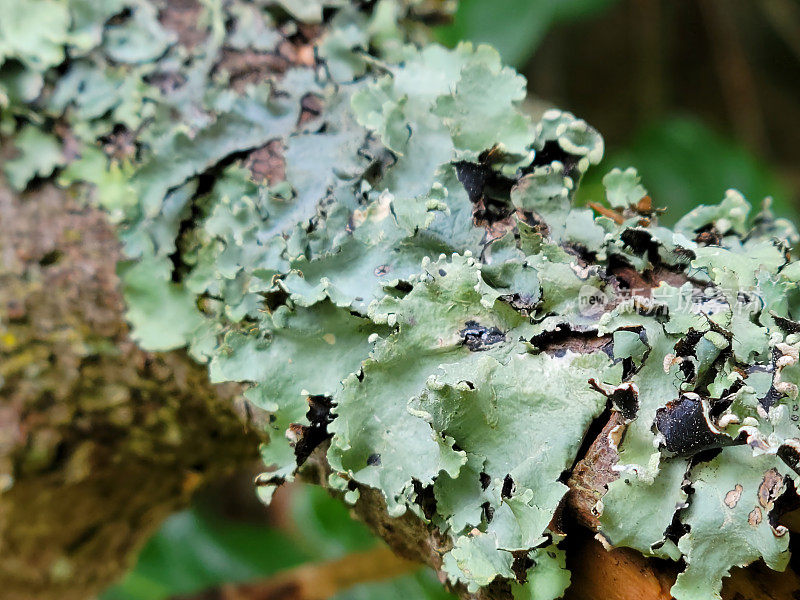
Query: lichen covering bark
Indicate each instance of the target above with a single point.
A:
(407, 277)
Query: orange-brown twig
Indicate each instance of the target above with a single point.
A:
(317, 581)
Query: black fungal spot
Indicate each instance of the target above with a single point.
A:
(687, 344)
(485, 480)
(638, 240)
(488, 512)
(50, 258)
(374, 460)
(473, 177)
(685, 429)
(688, 369)
(486, 189)
(476, 337)
(772, 395)
(628, 368)
(790, 456)
(703, 456)
(626, 401)
(508, 487)
(403, 287)
(521, 302)
(265, 479)
(787, 502)
(787, 325)
(425, 498)
(272, 300)
(676, 529)
(309, 437)
(553, 151)
(522, 564)
(442, 272)
(770, 398)
(718, 407)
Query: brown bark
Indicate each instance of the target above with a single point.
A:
(99, 441)
(624, 574)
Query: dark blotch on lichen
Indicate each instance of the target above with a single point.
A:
(488, 511)
(476, 337)
(522, 563)
(787, 325)
(425, 498)
(319, 417)
(508, 487)
(685, 429)
(557, 341)
(551, 151)
(473, 177)
(686, 346)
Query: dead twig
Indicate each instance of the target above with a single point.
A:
(317, 581)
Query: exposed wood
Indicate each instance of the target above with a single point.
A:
(620, 574)
(624, 574)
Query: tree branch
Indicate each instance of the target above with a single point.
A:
(317, 581)
(99, 441)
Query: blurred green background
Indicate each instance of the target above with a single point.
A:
(227, 536)
(698, 96)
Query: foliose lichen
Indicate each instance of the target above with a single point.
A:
(396, 277)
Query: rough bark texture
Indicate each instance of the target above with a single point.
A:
(99, 441)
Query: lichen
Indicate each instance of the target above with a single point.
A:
(414, 259)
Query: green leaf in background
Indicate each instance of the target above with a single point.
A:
(198, 548)
(685, 163)
(195, 549)
(514, 27)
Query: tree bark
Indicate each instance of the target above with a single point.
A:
(99, 441)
